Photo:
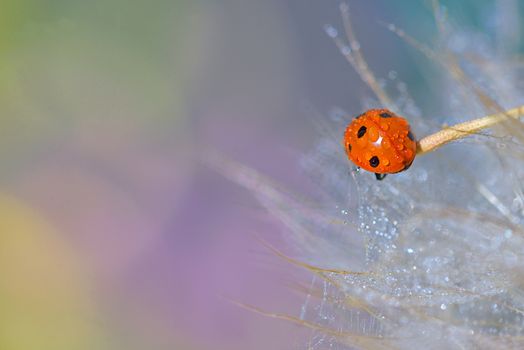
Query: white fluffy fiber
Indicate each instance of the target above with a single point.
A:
(432, 258)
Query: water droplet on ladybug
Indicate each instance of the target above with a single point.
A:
(373, 134)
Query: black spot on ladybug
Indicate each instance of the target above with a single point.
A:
(386, 115)
(374, 162)
(361, 131)
(411, 136)
(349, 147)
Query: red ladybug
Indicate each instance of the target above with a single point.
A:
(381, 142)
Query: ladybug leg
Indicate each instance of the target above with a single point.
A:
(380, 176)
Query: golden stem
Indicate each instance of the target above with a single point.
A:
(456, 132)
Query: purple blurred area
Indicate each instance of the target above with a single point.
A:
(271, 70)
(103, 148)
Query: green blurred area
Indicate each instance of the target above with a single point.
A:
(70, 69)
(62, 62)
(44, 297)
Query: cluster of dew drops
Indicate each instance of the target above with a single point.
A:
(409, 271)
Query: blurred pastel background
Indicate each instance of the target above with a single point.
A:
(113, 235)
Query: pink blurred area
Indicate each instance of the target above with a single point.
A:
(162, 241)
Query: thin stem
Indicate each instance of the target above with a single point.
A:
(358, 61)
(434, 141)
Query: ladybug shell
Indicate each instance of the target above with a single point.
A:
(380, 141)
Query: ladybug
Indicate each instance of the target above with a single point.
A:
(381, 142)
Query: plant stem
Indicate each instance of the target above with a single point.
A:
(458, 131)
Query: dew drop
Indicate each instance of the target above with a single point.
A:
(392, 75)
(421, 175)
(330, 31)
(346, 50)
(373, 134)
